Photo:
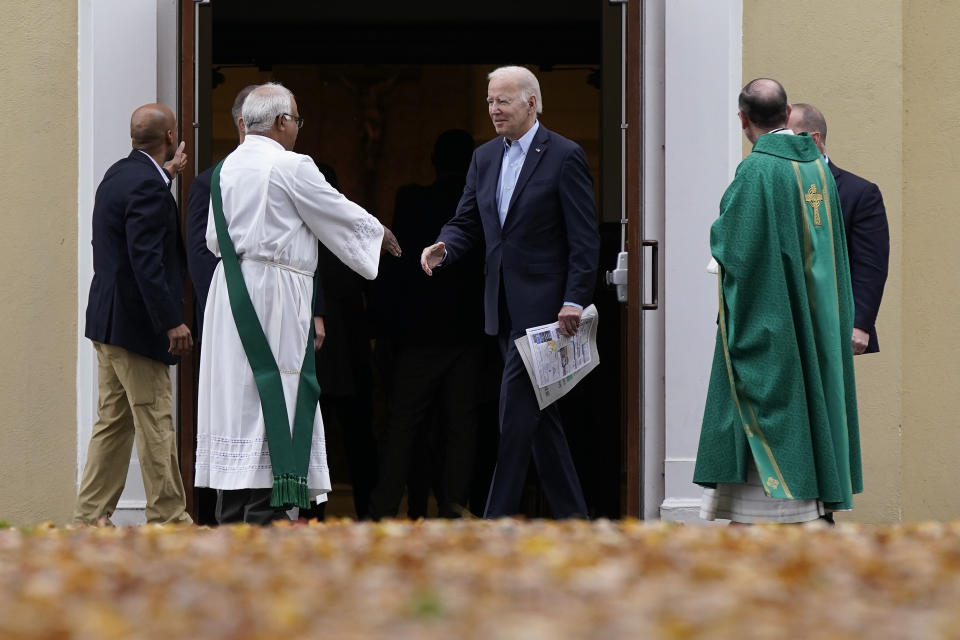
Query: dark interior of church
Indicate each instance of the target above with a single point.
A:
(376, 83)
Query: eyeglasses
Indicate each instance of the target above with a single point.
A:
(297, 119)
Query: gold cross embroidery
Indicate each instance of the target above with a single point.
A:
(814, 198)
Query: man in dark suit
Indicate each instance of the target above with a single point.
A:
(865, 223)
(528, 201)
(201, 263)
(200, 260)
(135, 320)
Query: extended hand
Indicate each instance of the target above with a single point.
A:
(432, 256)
(390, 244)
(860, 341)
(180, 340)
(176, 164)
(319, 332)
(569, 319)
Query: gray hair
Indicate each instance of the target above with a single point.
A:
(264, 104)
(237, 109)
(529, 85)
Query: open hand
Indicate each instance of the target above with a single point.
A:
(319, 332)
(432, 256)
(390, 244)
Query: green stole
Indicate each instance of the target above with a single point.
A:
(823, 291)
(289, 456)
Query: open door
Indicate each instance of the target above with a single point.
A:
(344, 60)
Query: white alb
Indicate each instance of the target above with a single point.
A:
(277, 205)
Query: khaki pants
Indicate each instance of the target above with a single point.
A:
(135, 399)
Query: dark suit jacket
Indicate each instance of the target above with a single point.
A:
(547, 251)
(200, 261)
(868, 244)
(137, 289)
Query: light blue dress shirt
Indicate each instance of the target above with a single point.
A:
(513, 157)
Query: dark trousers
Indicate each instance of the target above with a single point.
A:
(354, 414)
(251, 506)
(428, 377)
(527, 432)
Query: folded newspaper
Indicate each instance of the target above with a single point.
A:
(556, 363)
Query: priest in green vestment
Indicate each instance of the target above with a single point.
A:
(780, 439)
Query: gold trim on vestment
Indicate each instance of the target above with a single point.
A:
(736, 398)
(766, 447)
(833, 249)
(836, 287)
(807, 245)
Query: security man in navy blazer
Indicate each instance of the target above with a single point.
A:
(528, 202)
(135, 320)
(865, 224)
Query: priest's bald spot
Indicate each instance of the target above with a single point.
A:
(764, 102)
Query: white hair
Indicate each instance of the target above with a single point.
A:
(529, 85)
(264, 104)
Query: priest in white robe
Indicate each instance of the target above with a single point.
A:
(275, 205)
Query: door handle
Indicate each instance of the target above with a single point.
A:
(654, 276)
(618, 277)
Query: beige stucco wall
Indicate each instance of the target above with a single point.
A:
(848, 62)
(887, 81)
(38, 260)
(931, 217)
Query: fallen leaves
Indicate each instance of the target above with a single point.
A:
(481, 579)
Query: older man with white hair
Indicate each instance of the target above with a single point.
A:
(528, 202)
(259, 434)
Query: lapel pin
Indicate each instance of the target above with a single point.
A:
(538, 149)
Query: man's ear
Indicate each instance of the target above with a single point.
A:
(789, 109)
(818, 140)
(743, 120)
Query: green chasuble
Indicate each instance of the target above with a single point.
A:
(782, 384)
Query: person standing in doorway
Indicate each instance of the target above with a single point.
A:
(200, 260)
(438, 355)
(201, 263)
(528, 201)
(259, 433)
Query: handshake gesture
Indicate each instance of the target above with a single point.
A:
(432, 256)
(390, 244)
